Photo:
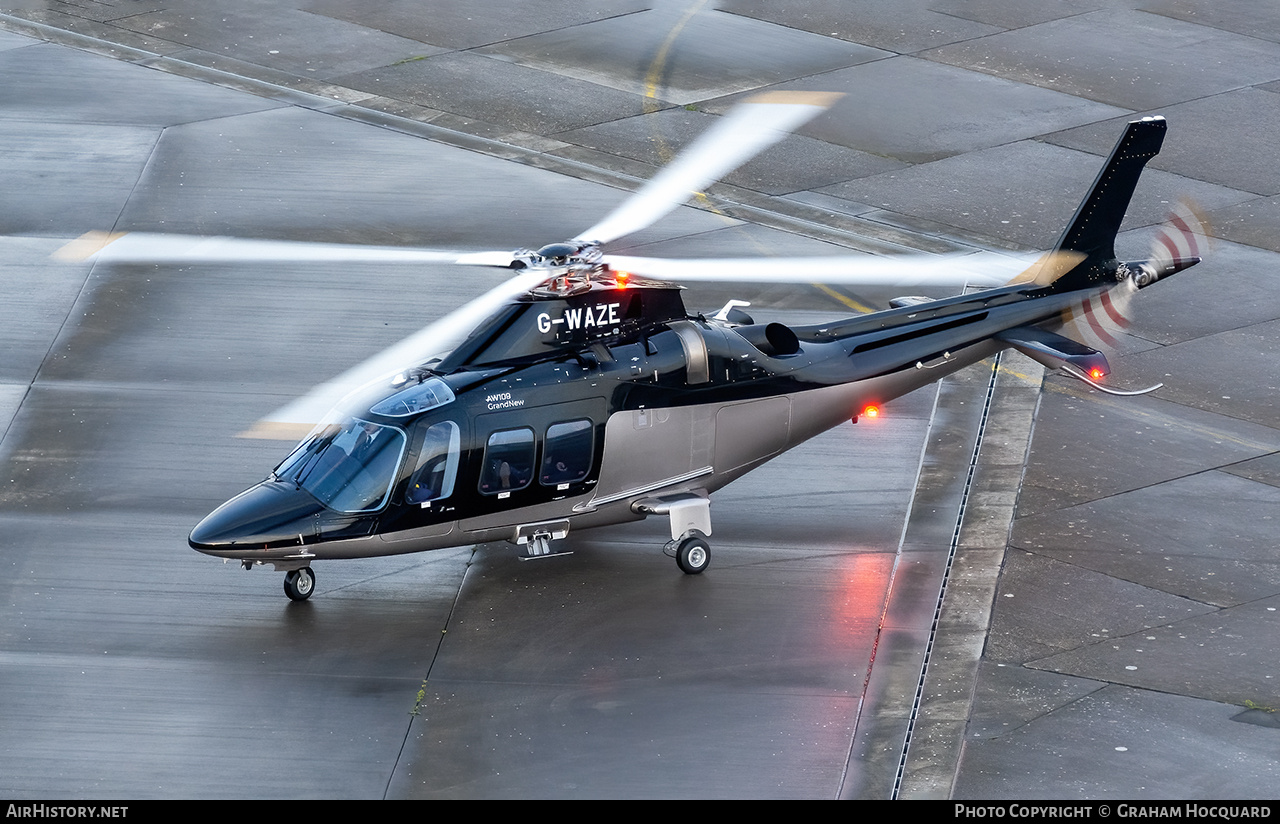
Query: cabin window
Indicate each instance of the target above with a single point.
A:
(437, 467)
(508, 461)
(567, 456)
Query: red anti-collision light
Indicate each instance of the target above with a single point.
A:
(871, 411)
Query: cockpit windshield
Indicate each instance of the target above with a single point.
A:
(347, 466)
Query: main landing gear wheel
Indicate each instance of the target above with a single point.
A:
(693, 555)
(299, 584)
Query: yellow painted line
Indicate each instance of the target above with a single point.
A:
(651, 78)
(846, 300)
(660, 59)
(1016, 374)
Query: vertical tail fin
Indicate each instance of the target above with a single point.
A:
(1092, 232)
(1085, 254)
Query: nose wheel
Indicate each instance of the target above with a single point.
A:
(299, 584)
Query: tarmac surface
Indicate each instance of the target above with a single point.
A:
(1109, 626)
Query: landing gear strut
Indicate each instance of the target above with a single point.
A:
(299, 584)
(690, 525)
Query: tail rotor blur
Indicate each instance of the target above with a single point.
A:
(1180, 242)
(1100, 320)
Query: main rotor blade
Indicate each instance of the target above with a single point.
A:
(294, 420)
(976, 269)
(151, 247)
(739, 136)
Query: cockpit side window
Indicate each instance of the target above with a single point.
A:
(437, 466)
(508, 461)
(567, 456)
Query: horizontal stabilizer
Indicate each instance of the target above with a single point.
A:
(1053, 350)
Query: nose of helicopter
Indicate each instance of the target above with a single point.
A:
(271, 514)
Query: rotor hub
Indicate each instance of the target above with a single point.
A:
(569, 252)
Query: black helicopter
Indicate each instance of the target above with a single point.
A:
(582, 392)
